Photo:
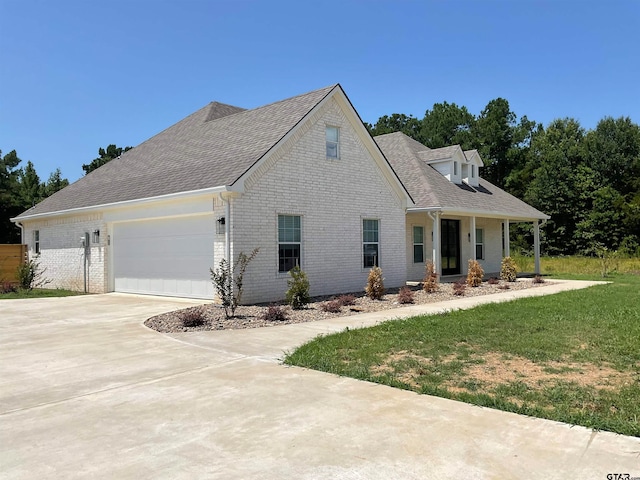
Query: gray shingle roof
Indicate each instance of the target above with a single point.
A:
(430, 189)
(211, 147)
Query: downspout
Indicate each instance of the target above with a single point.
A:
(21, 232)
(227, 233)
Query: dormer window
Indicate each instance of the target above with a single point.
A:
(473, 171)
(455, 169)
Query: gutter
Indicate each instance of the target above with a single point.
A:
(21, 231)
(477, 213)
(131, 203)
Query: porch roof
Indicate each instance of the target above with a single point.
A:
(432, 191)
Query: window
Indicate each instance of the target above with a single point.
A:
(36, 241)
(288, 242)
(333, 139)
(418, 244)
(479, 244)
(370, 243)
(455, 168)
(473, 171)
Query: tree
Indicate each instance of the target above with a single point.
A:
(554, 188)
(105, 156)
(55, 183)
(447, 124)
(397, 122)
(31, 190)
(10, 205)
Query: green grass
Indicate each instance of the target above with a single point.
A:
(39, 293)
(581, 349)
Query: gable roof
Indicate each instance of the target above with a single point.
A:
(430, 190)
(210, 148)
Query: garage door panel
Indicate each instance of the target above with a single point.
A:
(164, 257)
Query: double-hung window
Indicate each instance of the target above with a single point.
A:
(418, 244)
(36, 241)
(479, 244)
(370, 243)
(332, 135)
(289, 241)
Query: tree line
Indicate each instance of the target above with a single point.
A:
(21, 187)
(588, 181)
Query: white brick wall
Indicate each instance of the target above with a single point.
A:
(332, 196)
(62, 255)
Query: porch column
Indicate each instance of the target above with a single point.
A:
(536, 247)
(436, 255)
(472, 237)
(507, 248)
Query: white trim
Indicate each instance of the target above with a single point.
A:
(478, 213)
(135, 202)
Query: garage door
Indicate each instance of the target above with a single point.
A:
(164, 257)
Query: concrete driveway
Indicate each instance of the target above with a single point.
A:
(86, 391)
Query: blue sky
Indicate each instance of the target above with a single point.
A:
(79, 75)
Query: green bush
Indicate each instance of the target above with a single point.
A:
(298, 293)
(31, 274)
(228, 281)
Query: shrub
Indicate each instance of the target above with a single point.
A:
(192, 317)
(346, 300)
(375, 284)
(607, 259)
(298, 293)
(226, 276)
(475, 274)
(332, 306)
(538, 279)
(274, 313)
(8, 287)
(459, 287)
(504, 287)
(405, 295)
(430, 282)
(493, 281)
(508, 270)
(31, 274)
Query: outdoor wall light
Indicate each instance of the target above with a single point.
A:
(96, 236)
(469, 235)
(220, 225)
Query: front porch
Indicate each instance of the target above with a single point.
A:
(450, 239)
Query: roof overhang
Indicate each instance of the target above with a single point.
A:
(225, 190)
(479, 213)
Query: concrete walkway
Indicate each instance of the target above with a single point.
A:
(87, 391)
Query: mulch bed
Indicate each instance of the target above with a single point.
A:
(253, 316)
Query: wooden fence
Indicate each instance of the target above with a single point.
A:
(10, 257)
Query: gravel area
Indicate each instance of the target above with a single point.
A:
(252, 316)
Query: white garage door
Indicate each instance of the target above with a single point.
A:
(164, 257)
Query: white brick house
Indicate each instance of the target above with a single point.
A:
(301, 179)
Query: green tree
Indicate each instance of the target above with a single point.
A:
(447, 124)
(105, 156)
(31, 190)
(554, 188)
(397, 122)
(10, 204)
(55, 183)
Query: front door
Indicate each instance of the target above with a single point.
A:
(450, 245)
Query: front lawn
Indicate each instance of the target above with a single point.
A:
(572, 357)
(38, 293)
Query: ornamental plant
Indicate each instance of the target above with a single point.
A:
(298, 293)
(430, 282)
(475, 274)
(508, 270)
(228, 281)
(375, 284)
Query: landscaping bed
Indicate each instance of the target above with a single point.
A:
(253, 316)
